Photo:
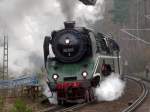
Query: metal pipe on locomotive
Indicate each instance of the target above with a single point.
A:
(81, 59)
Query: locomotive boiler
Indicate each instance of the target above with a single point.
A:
(77, 60)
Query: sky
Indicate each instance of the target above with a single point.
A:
(27, 22)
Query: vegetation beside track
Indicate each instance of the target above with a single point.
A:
(20, 106)
(1, 103)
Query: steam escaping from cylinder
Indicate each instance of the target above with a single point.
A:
(68, 8)
(110, 88)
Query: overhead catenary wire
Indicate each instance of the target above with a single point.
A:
(137, 29)
(133, 36)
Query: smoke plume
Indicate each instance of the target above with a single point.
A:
(68, 8)
(110, 88)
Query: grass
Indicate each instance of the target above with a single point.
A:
(20, 106)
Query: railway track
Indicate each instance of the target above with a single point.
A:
(73, 108)
(65, 109)
(130, 108)
(141, 98)
(52, 109)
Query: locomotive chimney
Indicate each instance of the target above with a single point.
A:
(69, 24)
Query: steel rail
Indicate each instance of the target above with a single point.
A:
(63, 109)
(51, 109)
(141, 98)
(73, 108)
(130, 108)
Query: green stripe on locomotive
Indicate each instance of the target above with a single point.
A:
(70, 70)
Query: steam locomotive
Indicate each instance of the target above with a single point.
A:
(77, 60)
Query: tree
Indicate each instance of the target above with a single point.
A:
(20, 106)
(120, 11)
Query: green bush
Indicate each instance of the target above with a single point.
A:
(1, 103)
(20, 106)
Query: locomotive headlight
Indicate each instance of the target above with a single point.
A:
(84, 74)
(67, 41)
(55, 76)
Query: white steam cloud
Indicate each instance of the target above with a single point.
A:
(26, 22)
(90, 13)
(75, 10)
(110, 89)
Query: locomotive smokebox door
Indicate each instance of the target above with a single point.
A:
(89, 2)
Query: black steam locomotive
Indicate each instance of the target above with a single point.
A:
(77, 59)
